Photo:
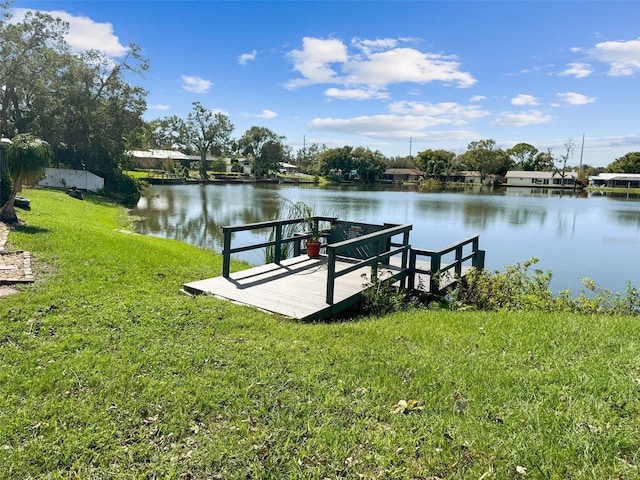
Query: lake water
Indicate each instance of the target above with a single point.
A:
(574, 236)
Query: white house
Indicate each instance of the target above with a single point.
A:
(522, 178)
(615, 180)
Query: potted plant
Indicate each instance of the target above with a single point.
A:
(306, 213)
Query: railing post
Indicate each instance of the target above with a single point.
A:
(331, 270)
(412, 269)
(277, 254)
(226, 253)
(458, 267)
(434, 281)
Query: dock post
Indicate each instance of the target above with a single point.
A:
(226, 253)
(412, 269)
(331, 271)
(434, 281)
(277, 254)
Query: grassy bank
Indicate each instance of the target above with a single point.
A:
(107, 371)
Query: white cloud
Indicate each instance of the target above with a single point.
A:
(573, 98)
(453, 112)
(376, 64)
(195, 84)
(314, 61)
(247, 57)
(623, 57)
(477, 98)
(263, 114)
(159, 106)
(368, 46)
(391, 127)
(577, 70)
(522, 119)
(355, 94)
(523, 99)
(84, 33)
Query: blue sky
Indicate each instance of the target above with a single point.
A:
(399, 77)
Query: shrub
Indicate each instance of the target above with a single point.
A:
(122, 188)
(518, 288)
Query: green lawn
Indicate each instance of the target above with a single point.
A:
(107, 371)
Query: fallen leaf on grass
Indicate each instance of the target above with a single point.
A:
(404, 406)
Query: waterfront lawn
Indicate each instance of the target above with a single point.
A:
(107, 371)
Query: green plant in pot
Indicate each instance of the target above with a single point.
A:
(307, 214)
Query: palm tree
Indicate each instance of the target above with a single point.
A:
(26, 158)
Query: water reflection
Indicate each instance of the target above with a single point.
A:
(574, 235)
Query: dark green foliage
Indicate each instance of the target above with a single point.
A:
(629, 163)
(516, 288)
(123, 188)
(381, 298)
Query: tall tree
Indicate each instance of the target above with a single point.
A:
(254, 141)
(30, 62)
(337, 162)
(561, 167)
(26, 158)
(307, 158)
(486, 158)
(369, 164)
(202, 132)
(523, 156)
(434, 162)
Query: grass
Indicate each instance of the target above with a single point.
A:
(108, 372)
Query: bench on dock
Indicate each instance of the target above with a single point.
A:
(353, 255)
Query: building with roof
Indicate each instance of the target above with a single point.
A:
(522, 178)
(401, 175)
(615, 180)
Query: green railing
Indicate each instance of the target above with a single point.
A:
(278, 239)
(437, 271)
(381, 247)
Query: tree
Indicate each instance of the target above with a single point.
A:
(562, 160)
(525, 157)
(26, 158)
(80, 104)
(257, 139)
(401, 162)
(486, 158)
(203, 132)
(369, 164)
(308, 158)
(628, 163)
(434, 162)
(30, 59)
(337, 163)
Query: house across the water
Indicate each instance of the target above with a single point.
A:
(465, 176)
(401, 175)
(522, 178)
(615, 180)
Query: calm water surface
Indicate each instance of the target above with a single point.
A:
(574, 236)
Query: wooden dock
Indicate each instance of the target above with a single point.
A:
(314, 288)
(295, 288)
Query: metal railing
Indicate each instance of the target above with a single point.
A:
(278, 239)
(383, 249)
(437, 271)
